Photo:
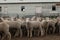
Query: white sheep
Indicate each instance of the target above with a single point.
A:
(34, 24)
(47, 23)
(5, 28)
(15, 25)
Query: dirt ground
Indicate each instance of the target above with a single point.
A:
(48, 37)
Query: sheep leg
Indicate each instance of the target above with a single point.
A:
(30, 33)
(34, 32)
(3, 37)
(53, 29)
(20, 33)
(59, 29)
(46, 30)
(0, 37)
(38, 33)
(8, 36)
(17, 32)
(42, 32)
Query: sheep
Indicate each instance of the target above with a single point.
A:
(51, 24)
(14, 24)
(5, 28)
(44, 25)
(39, 19)
(48, 23)
(33, 18)
(20, 21)
(34, 24)
(57, 25)
(23, 24)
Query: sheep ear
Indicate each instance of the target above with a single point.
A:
(1, 19)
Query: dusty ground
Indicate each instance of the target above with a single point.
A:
(49, 37)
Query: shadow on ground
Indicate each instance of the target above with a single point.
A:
(48, 37)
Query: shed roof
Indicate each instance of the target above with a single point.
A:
(29, 1)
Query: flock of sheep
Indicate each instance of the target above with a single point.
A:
(43, 26)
